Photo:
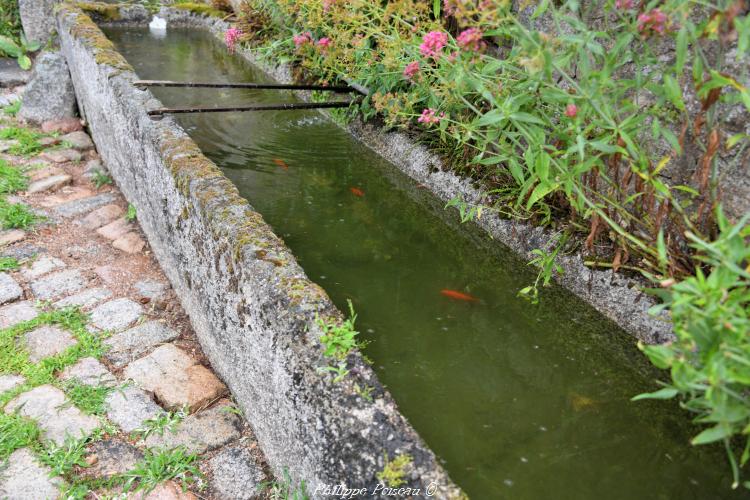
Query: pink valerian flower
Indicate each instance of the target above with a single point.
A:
(471, 39)
(324, 43)
(327, 4)
(571, 110)
(411, 70)
(624, 4)
(432, 43)
(449, 7)
(302, 39)
(231, 36)
(655, 20)
(429, 117)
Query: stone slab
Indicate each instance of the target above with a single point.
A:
(57, 418)
(52, 183)
(10, 382)
(201, 432)
(101, 216)
(13, 314)
(41, 266)
(235, 474)
(24, 478)
(126, 346)
(130, 407)
(84, 299)
(47, 341)
(129, 243)
(175, 378)
(110, 457)
(62, 155)
(115, 229)
(84, 205)
(116, 315)
(9, 289)
(89, 371)
(11, 236)
(58, 284)
(150, 289)
(79, 140)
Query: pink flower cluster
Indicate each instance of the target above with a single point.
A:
(655, 20)
(432, 43)
(624, 4)
(324, 43)
(230, 38)
(429, 117)
(571, 110)
(471, 39)
(302, 39)
(327, 4)
(411, 70)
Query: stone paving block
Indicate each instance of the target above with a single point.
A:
(26, 479)
(47, 341)
(79, 139)
(115, 229)
(92, 167)
(9, 289)
(21, 252)
(55, 415)
(62, 126)
(116, 315)
(131, 344)
(150, 289)
(66, 195)
(58, 284)
(84, 205)
(38, 174)
(235, 474)
(10, 382)
(129, 243)
(11, 236)
(165, 491)
(52, 183)
(16, 313)
(42, 266)
(84, 299)
(89, 371)
(62, 155)
(202, 431)
(110, 457)
(130, 407)
(101, 216)
(175, 378)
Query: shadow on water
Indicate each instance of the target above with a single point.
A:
(519, 401)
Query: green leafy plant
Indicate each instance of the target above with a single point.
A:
(16, 432)
(28, 140)
(19, 49)
(338, 340)
(13, 108)
(709, 362)
(63, 458)
(101, 179)
(131, 214)
(164, 421)
(162, 465)
(17, 216)
(89, 399)
(8, 264)
(11, 179)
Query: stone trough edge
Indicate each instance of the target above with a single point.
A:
(253, 308)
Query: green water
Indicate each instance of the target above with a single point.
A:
(519, 401)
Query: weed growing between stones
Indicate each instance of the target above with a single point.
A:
(131, 214)
(166, 421)
(16, 432)
(338, 341)
(162, 465)
(12, 109)
(87, 398)
(101, 179)
(284, 488)
(17, 216)
(28, 141)
(11, 179)
(8, 264)
(72, 453)
(394, 471)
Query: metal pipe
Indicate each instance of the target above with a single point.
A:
(266, 107)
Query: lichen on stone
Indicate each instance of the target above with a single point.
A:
(199, 8)
(83, 29)
(107, 11)
(394, 471)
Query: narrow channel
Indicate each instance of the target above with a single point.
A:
(520, 401)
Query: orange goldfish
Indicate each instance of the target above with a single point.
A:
(456, 295)
(356, 191)
(281, 163)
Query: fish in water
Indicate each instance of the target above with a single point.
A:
(456, 295)
(356, 191)
(281, 163)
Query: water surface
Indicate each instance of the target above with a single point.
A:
(519, 401)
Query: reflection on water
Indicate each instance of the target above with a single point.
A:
(519, 401)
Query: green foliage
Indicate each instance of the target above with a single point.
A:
(164, 421)
(132, 214)
(8, 264)
(16, 432)
(709, 362)
(198, 8)
(11, 179)
(28, 140)
(16, 215)
(101, 179)
(10, 20)
(18, 49)
(394, 471)
(63, 458)
(87, 398)
(163, 465)
(339, 339)
(284, 488)
(12, 109)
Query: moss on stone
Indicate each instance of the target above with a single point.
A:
(83, 29)
(199, 8)
(107, 11)
(394, 471)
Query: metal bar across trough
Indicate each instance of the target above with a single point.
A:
(259, 86)
(267, 107)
